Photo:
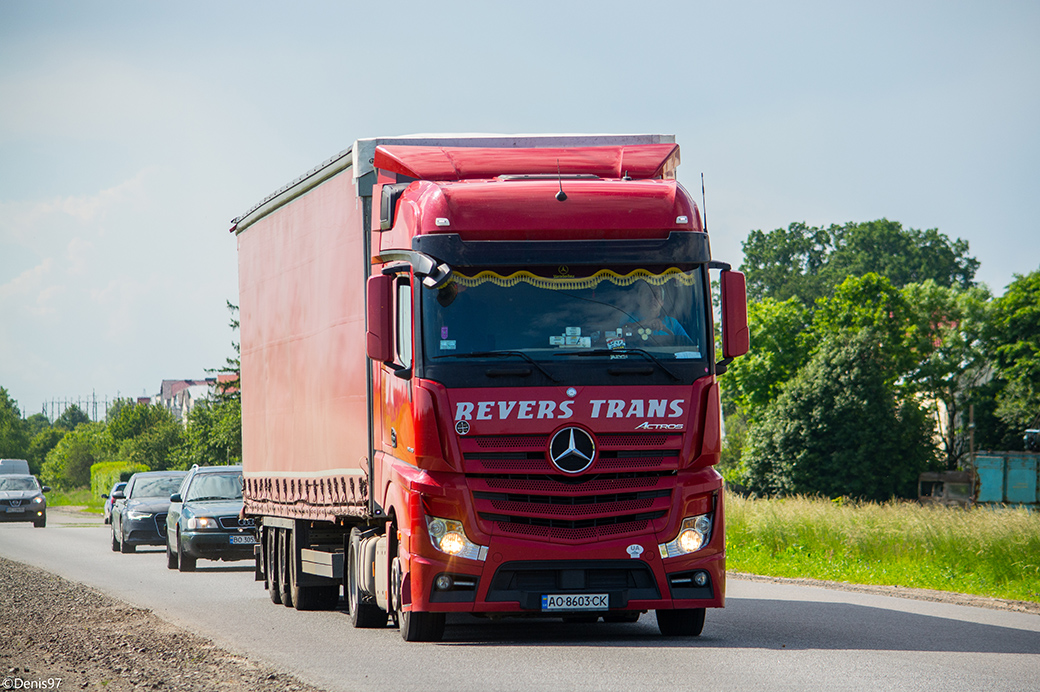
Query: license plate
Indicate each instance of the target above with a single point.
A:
(596, 601)
(15, 510)
(243, 540)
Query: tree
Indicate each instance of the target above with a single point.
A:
(230, 389)
(68, 464)
(779, 349)
(1014, 338)
(213, 434)
(146, 434)
(809, 262)
(71, 417)
(14, 436)
(839, 429)
(948, 326)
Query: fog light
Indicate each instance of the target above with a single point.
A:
(443, 582)
(700, 578)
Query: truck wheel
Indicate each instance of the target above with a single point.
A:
(681, 623)
(171, 557)
(284, 587)
(364, 613)
(415, 627)
(185, 562)
(273, 589)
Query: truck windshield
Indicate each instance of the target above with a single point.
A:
(545, 313)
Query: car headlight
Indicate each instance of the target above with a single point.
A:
(202, 523)
(448, 536)
(135, 515)
(38, 500)
(694, 534)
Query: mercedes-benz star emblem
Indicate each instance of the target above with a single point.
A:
(572, 450)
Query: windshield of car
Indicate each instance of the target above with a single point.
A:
(161, 486)
(18, 483)
(215, 486)
(545, 312)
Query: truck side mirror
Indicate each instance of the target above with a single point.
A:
(736, 339)
(380, 318)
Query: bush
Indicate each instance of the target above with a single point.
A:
(106, 474)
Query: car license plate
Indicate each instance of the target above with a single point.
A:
(596, 601)
(15, 510)
(244, 539)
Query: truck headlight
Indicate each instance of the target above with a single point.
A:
(201, 523)
(448, 536)
(694, 534)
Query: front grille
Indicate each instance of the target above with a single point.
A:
(232, 523)
(517, 491)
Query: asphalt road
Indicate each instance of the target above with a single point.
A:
(769, 636)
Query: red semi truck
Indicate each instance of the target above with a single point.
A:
(479, 376)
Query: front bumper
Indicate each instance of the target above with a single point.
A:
(217, 545)
(148, 531)
(510, 581)
(24, 512)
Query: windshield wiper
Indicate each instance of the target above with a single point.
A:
(501, 354)
(620, 351)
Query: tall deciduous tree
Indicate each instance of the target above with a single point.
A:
(839, 428)
(1015, 340)
(809, 262)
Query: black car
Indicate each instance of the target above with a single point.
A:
(204, 519)
(139, 510)
(21, 499)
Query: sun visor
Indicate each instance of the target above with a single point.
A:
(641, 161)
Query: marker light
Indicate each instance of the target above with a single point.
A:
(448, 536)
(694, 534)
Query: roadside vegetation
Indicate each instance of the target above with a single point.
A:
(67, 452)
(986, 551)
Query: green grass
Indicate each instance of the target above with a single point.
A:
(80, 497)
(983, 551)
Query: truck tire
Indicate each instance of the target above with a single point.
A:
(273, 589)
(284, 586)
(415, 627)
(364, 613)
(171, 557)
(185, 562)
(681, 623)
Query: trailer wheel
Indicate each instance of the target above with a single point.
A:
(415, 627)
(273, 589)
(364, 613)
(284, 586)
(681, 623)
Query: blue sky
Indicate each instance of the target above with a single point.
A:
(131, 133)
